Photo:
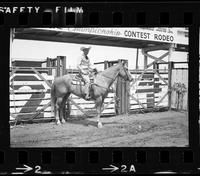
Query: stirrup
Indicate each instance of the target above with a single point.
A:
(87, 97)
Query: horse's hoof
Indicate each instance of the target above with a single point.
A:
(63, 121)
(100, 125)
(58, 123)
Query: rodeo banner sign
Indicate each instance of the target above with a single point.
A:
(166, 35)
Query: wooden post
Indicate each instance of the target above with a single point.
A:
(105, 64)
(170, 67)
(119, 93)
(118, 97)
(58, 66)
(63, 65)
(155, 86)
(53, 62)
(170, 52)
(48, 62)
(136, 65)
(123, 93)
(145, 62)
(127, 91)
(49, 65)
(156, 66)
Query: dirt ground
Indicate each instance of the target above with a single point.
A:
(158, 129)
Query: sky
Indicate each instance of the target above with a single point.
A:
(40, 50)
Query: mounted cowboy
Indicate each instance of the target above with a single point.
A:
(84, 66)
(62, 87)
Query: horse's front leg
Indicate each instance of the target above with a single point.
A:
(98, 107)
(56, 114)
(99, 124)
(58, 110)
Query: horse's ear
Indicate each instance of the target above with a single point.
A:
(124, 64)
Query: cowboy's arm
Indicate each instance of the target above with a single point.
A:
(90, 66)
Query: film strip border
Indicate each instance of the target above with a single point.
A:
(185, 160)
(107, 14)
(103, 161)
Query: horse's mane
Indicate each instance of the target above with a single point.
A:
(109, 68)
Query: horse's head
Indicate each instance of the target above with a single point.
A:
(124, 73)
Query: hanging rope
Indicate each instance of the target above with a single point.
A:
(180, 90)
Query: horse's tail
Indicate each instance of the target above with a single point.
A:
(53, 98)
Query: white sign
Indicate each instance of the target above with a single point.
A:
(167, 35)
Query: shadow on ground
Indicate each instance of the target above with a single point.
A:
(87, 122)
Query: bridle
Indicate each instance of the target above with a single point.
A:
(126, 71)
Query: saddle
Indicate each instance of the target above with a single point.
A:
(78, 80)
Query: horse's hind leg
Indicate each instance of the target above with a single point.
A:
(63, 120)
(98, 103)
(62, 110)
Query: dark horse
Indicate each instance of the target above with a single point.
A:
(62, 87)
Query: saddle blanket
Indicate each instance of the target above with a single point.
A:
(78, 82)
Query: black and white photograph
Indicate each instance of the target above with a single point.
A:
(99, 87)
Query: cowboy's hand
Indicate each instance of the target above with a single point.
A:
(83, 71)
(86, 72)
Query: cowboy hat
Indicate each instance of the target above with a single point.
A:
(84, 48)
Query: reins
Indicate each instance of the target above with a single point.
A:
(110, 77)
(113, 79)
